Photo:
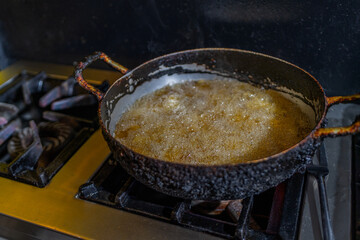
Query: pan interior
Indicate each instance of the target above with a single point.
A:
(127, 100)
(150, 86)
(296, 84)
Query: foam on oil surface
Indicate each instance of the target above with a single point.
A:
(212, 122)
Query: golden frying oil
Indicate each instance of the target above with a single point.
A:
(212, 122)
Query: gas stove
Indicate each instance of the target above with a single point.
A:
(44, 121)
(66, 185)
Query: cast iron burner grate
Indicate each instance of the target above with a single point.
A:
(43, 121)
(273, 214)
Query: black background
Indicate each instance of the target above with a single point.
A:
(320, 36)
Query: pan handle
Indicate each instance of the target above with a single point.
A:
(342, 99)
(339, 131)
(80, 67)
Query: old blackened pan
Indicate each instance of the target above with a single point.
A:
(213, 182)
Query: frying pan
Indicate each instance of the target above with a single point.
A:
(213, 182)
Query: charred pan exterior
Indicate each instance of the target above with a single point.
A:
(213, 182)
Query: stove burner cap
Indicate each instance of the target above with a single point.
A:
(54, 135)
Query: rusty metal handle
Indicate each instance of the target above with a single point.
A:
(80, 67)
(339, 131)
(342, 99)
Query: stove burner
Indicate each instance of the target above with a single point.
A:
(7, 112)
(34, 155)
(20, 142)
(53, 136)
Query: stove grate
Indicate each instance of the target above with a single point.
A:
(273, 214)
(62, 129)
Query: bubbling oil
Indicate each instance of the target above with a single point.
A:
(212, 122)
